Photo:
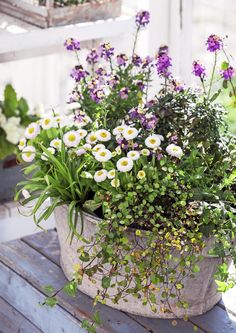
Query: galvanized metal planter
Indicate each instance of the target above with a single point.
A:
(10, 175)
(48, 16)
(200, 292)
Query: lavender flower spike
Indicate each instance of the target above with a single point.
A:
(72, 44)
(198, 69)
(228, 73)
(214, 43)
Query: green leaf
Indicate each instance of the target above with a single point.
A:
(10, 101)
(92, 205)
(97, 319)
(23, 107)
(225, 84)
(196, 269)
(224, 65)
(70, 289)
(50, 301)
(106, 281)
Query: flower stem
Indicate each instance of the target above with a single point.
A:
(135, 40)
(212, 76)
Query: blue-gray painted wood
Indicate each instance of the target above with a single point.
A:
(38, 271)
(25, 298)
(11, 321)
(216, 320)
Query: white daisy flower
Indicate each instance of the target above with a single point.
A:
(48, 122)
(87, 146)
(64, 121)
(115, 183)
(87, 175)
(141, 174)
(81, 152)
(28, 154)
(44, 155)
(22, 143)
(71, 139)
(130, 133)
(133, 154)
(56, 143)
(111, 174)
(103, 135)
(97, 148)
(118, 150)
(32, 131)
(91, 138)
(174, 150)
(103, 155)
(153, 141)
(118, 130)
(100, 176)
(82, 133)
(125, 164)
(145, 152)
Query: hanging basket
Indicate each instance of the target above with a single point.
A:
(48, 13)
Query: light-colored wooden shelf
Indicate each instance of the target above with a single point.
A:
(19, 40)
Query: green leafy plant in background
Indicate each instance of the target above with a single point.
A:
(14, 117)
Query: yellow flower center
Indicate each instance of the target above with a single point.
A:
(103, 134)
(28, 154)
(31, 130)
(47, 121)
(152, 141)
(100, 173)
(103, 153)
(93, 138)
(124, 163)
(130, 131)
(71, 137)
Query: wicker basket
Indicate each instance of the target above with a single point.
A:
(49, 15)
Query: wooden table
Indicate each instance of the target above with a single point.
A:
(30, 263)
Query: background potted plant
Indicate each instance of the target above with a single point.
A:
(144, 188)
(14, 118)
(49, 13)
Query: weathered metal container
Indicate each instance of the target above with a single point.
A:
(10, 175)
(200, 292)
(49, 15)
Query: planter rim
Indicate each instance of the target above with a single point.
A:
(94, 219)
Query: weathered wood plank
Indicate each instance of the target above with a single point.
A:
(11, 321)
(25, 298)
(46, 243)
(167, 326)
(38, 271)
(216, 320)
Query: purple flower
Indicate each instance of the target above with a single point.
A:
(147, 62)
(133, 113)
(78, 73)
(228, 73)
(72, 44)
(121, 59)
(149, 104)
(198, 69)
(174, 138)
(100, 71)
(79, 116)
(75, 96)
(214, 43)
(163, 62)
(149, 121)
(97, 95)
(124, 93)
(106, 51)
(136, 60)
(113, 81)
(178, 86)
(92, 57)
(142, 18)
(140, 84)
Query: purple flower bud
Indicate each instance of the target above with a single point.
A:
(92, 57)
(121, 59)
(147, 62)
(78, 73)
(142, 18)
(124, 93)
(214, 43)
(136, 60)
(198, 69)
(100, 71)
(106, 51)
(72, 44)
(228, 73)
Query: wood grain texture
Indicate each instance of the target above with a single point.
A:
(38, 271)
(11, 321)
